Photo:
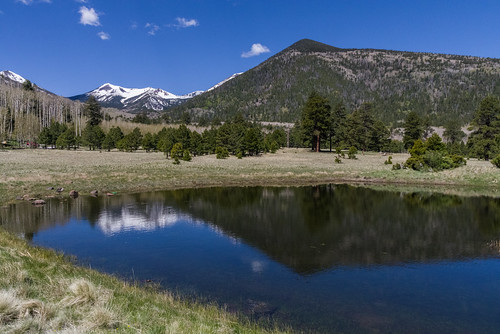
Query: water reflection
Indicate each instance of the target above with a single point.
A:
(308, 229)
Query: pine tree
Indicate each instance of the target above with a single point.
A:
(92, 109)
(413, 129)
(484, 142)
(315, 121)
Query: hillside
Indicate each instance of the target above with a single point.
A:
(440, 86)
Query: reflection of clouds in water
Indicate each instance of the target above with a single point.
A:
(129, 218)
(257, 266)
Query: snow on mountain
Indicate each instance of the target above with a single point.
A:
(224, 81)
(110, 95)
(13, 76)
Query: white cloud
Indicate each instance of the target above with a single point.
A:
(153, 28)
(89, 16)
(81, 1)
(185, 23)
(256, 50)
(133, 25)
(29, 2)
(103, 35)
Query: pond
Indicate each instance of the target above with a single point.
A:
(330, 258)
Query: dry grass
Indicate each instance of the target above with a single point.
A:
(31, 172)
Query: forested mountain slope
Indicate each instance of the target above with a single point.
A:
(441, 86)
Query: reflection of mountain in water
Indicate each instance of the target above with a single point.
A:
(110, 215)
(131, 218)
(315, 228)
(306, 228)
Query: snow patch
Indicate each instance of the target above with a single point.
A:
(13, 76)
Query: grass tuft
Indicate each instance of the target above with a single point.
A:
(9, 307)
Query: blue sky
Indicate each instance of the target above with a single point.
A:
(73, 46)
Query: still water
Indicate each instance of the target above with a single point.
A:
(330, 258)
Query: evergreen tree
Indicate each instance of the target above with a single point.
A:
(113, 136)
(315, 120)
(253, 141)
(413, 129)
(66, 139)
(166, 140)
(148, 142)
(361, 126)
(92, 109)
(484, 142)
(338, 125)
(453, 132)
(196, 143)
(135, 138)
(93, 136)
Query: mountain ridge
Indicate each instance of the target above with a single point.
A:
(139, 99)
(437, 86)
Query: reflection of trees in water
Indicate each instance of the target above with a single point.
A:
(110, 214)
(314, 228)
(305, 228)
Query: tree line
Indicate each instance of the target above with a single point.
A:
(323, 126)
(236, 137)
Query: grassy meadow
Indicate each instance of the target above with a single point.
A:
(32, 172)
(42, 291)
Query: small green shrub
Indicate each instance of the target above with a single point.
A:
(388, 161)
(221, 152)
(186, 156)
(352, 152)
(338, 160)
(396, 166)
(274, 147)
(239, 155)
(496, 161)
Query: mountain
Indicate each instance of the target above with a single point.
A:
(8, 75)
(10, 78)
(134, 99)
(438, 86)
(138, 99)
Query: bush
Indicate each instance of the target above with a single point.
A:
(352, 152)
(339, 152)
(239, 155)
(496, 161)
(221, 152)
(396, 166)
(338, 160)
(388, 161)
(186, 156)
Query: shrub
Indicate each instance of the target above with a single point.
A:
(396, 166)
(221, 152)
(352, 152)
(338, 160)
(496, 161)
(388, 161)
(339, 152)
(186, 156)
(177, 151)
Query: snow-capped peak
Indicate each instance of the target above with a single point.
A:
(13, 76)
(224, 81)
